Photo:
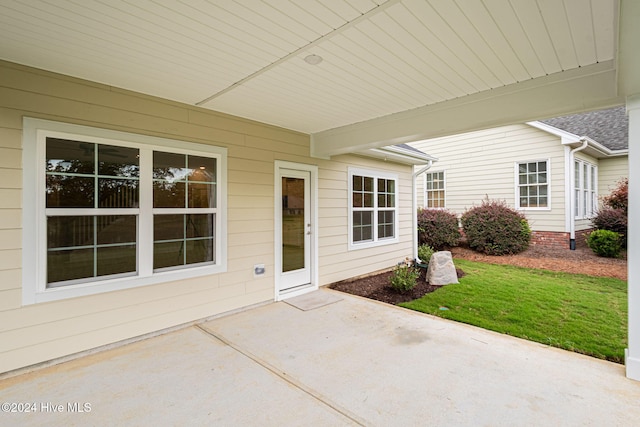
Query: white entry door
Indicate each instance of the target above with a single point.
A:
(296, 228)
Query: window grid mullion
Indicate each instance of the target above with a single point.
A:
(145, 217)
(375, 209)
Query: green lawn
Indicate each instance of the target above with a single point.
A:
(575, 312)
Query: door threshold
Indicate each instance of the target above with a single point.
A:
(295, 291)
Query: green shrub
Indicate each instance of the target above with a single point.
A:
(605, 243)
(404, 278)
(613, 216)
(613, 220)
(438, 228)
(494, 228)
(425, 252)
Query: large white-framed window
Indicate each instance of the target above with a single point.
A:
(373, 208)
(585, 189)
(532, 185)
(113, 210)
(434, 189)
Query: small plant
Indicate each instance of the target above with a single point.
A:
(494, 228)
(438, 228)
(404, 278)
(605, 243)
(425, 252)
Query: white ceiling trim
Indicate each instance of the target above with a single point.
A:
(572, 91)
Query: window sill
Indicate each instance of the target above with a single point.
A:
(367, 245)
(122, 283)
(534, 209)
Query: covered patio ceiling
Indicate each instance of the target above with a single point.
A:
(391, 71)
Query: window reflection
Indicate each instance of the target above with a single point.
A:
(181, 180)
(73, 174)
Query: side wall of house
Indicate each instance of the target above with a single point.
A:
(610, 172)
(337, 262)
(482, 164)
(39, 332)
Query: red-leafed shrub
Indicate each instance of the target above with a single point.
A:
(494, 228)
(438, 228)
(619, 197)
(613, 216)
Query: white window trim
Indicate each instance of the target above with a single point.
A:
(517, 185)
(593, 193)
(34, 288)
(426, 192)
(396, 226)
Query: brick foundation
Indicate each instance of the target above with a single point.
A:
(558, 240)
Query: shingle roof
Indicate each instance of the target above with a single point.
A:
(608, 127)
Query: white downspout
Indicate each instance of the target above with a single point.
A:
(572, 179)
(415, 208)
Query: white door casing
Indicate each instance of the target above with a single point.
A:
(295, 229)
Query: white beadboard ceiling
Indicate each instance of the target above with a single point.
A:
(246, 57)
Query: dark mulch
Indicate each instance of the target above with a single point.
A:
(581, 261)
(378, 287)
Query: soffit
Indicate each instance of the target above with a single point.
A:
(246, 57)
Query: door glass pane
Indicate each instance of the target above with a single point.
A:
(293, 227)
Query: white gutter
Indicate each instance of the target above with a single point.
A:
(397, 154)
(572, 180)
(415, 208)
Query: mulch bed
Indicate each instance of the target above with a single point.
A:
(581, 261)
(378, 287)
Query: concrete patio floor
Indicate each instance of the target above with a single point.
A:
(333, 359)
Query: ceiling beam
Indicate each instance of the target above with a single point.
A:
(568, 92)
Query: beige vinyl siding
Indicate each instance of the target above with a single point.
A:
(610, 172)
(336, 261)
(482, 164)
(40, 332)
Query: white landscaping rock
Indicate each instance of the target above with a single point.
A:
(441, 269)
